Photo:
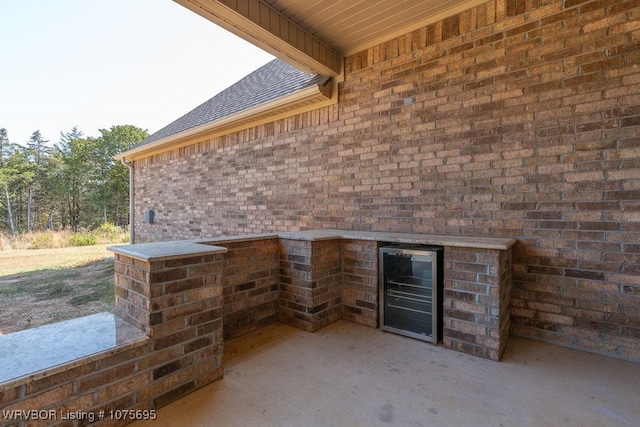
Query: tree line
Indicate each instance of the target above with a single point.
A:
(74, 183)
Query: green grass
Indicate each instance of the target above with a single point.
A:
(63, 282)
(10, 290)
(57, 289)
(32, 283)
(102, 291)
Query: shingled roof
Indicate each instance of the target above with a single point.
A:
(272, 81)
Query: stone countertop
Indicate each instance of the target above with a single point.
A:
(176, 249)
(161, 251)
(407, 238)
(234, 238)
(57, 347)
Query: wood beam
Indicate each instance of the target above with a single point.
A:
(262, 25)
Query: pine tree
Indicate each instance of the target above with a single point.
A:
(5, 177)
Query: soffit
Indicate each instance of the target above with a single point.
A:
(314, 35)
(349, 26)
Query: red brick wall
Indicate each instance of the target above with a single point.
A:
(522, 120)
(110, 383)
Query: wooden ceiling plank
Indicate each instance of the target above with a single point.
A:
(294, 9)
(378, 21)
(383, 13)
(342, 9)
(318, 9)
(367, 37)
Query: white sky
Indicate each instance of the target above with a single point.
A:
(95, 64)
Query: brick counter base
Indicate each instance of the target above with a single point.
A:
(186, 304)
(178, 303)
(477, 289)
(310, 283)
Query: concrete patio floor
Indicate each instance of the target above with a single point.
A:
(351, 375)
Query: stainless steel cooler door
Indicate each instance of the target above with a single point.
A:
(407, 294)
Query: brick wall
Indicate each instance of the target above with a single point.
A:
(250, 280)
(109, 383)
(187, 303)
(513, 119)
(178, 303)
(310, 283)
(477, 290)
(360, 282)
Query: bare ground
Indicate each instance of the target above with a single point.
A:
(41, 286)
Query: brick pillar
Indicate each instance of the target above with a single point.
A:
(177, 301)
(360, 277)
(310, 283)
(250, 281)
(505, 268)
(477, 289)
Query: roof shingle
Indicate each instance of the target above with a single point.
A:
(268, 83)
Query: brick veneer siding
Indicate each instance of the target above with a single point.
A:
(477, 289)
(360, 282)
(522, 119)
(310, 283)
(178, 303)
(251, 286)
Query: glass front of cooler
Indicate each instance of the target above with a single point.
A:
(410, 302)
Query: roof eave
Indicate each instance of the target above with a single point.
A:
(290, 103)
(260, 24)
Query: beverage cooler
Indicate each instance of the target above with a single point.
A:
(411, 287)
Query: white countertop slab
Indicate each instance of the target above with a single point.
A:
(52, 348)
(407, 238)
(160, 251)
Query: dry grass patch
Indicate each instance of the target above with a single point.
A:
(44, 286)
(50, 239)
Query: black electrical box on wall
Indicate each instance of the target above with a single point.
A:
(149, 216)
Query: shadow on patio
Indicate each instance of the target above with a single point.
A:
(351, 375)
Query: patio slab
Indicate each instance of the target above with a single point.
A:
(348, 374)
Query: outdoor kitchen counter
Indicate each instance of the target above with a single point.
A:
(162, 251)
(47, 350)
(408, 238)
(477, 283)
(376, 236)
